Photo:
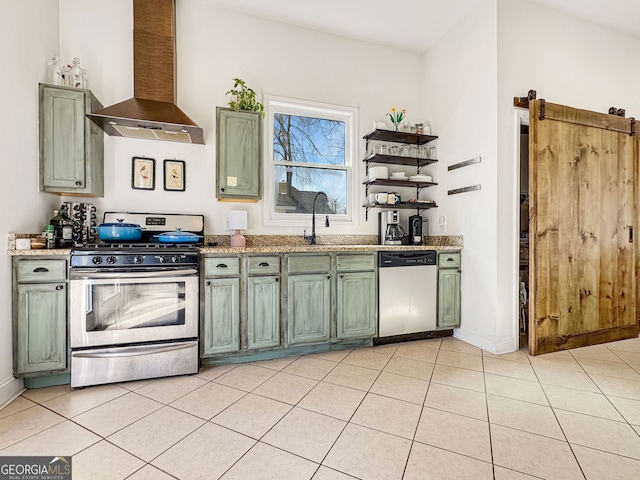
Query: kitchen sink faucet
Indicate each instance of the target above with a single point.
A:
(312, 237)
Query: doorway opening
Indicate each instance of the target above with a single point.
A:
(521, 223)
(523, 237)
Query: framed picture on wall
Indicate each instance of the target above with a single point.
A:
(174, 175)
(143, 173)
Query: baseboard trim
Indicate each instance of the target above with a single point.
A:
(10, 388)
(493, 345)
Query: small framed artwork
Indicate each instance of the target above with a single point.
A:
(174, 175)
(143, 173)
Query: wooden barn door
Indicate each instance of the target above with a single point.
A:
(583, 230)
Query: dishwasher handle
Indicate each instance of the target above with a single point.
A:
(407, 259)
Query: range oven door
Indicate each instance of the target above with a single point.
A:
(120, 308)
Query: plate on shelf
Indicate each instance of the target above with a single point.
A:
(421, 202)
(421, 178)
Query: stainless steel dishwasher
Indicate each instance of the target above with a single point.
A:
(407, 295)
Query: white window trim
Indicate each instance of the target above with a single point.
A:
(348, 115)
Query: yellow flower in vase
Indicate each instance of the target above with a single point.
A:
(396, 116)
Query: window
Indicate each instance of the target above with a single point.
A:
(310, 159)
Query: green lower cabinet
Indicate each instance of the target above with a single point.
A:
(448, 298)
(309, 308)
(263, 312)
(221, 315)
(40, 329)
(356, 305)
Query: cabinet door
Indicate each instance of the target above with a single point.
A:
(71, 146)
(308, 308)
(221, 315)
(239, 154)
(62, 126)
(41, 325)
(263, 312)
(448, 298)
(356, 305)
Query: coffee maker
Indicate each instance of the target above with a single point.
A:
(415, 230)
(389, 230)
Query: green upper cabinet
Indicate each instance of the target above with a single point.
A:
(71, 146)
(239, 154)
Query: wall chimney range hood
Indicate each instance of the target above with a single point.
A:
(152, 113)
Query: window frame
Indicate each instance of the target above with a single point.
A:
(349, 115)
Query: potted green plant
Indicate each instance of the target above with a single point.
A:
(244, 98)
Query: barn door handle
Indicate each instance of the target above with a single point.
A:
(631, 234)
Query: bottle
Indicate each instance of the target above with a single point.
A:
(76, 74)
(50, 237)
(54, 71)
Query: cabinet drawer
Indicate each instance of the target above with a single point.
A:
(42, 270)
(308, 264)
(221, 266)
(263, 265)
(449, 259)
(356, 263)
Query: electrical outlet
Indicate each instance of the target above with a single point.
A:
(443, 224)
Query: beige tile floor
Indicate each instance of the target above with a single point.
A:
(434, 409)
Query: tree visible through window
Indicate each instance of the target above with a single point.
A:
(311, 153)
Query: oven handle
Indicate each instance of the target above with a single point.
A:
(97, 274)
(134, 351)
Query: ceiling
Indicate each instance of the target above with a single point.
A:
(414, 25)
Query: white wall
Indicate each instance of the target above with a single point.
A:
(213, 47)
(460, 82)
(567, 61)
(29, 37)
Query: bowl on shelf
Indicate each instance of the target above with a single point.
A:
(378, 173)
(399, 176)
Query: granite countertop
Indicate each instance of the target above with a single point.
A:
(280, 244)
(324, 248)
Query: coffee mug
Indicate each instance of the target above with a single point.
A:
(381, 197)
(391, 198)
(398, 199)
(371, 198)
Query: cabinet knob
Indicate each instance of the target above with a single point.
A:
(78, 183)
(277, 280)
(59, 287)
(263, 264)
(40, 270)
(221, 265)
(222, 189)
(207, 283)
(341, 276)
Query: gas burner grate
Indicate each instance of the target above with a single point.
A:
(137, 246)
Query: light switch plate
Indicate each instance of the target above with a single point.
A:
(232, 181)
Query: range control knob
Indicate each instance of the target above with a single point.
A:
(111, 260)
(164, 259)
(175, 259)
(138, 259)
(96, 260)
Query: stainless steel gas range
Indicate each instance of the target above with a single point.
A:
(134, 306)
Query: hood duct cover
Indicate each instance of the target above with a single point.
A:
(152, 113)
